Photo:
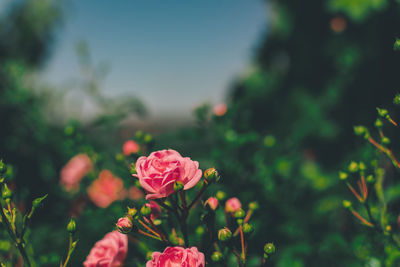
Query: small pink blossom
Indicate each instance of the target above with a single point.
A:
(232, 205)
(106, 189)
(177, 256)
(212, 202)
(109, 252)
(159, 171)
(124, 225)
(130, 147)
(135, 193)
(220, 109)
(72, 173)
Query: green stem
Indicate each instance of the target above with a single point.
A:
(69, 251)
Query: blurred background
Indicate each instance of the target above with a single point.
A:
(265, 91)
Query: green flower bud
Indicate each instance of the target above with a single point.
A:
(132, 168)
(178, 186)
(149, 255)
(396, 45)
(119, 157)
(157, 222)
(353, 166)
(343, 175)
(217, 256)
(224, 234)
(69, 130)
(382, 112)
(240, 213)
(221, 195)
(378, 123)
(253, 205)
(396, 99)
(385, 140)
(359, 129)
(37, 201)
(239, 221)
(269, 248)
(265, 255)
(6, 193)
(269, 141)
(139, 135)
(347, 204)
(147, 138)
(3, 167)
(370, 178)
(200, 230)
(71, 227)
(145, 210)
(248, 228)
(211, 174)
(361, 166)
(132, 212)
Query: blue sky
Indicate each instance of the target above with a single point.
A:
(172, 54)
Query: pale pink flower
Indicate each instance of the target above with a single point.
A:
(177, 257)
(72, 173)
(212, 202)
(109, 252)
(220, 109)
(106, 189)
(130, 147)
(159, 171)
(135, 193)
(232, 205)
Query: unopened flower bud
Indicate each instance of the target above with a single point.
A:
(396, 99)
(370, 178)
(385, 140)
(353, 166)
(224, 234)
(216, 256)
(343, 175)
(269, 248)
(221, 195)
(71, 226)
(124, 225)
(3, 167)
(396, 46)
(269, 141)
(382, 112)
(248, 228)
(132, 212)
(378, 123)
(37, 201)
(253, 205)
(232, 205)
(240, 213)
(359, 130)
(239, 221)
(178, 186)
(347, 204)
(200, 230)
(157, 222)
(211, 174)
(147, 138)
(119, 157)
(211, 203)
(145, 210)
(6, 193)
(361, 166)
(132, 168)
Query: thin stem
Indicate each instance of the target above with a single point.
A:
(69, 251)
(354, 192)
(364, 221)
(245, 220)
(149, 235)
(203, 189)
(242, 243)
(148, 228)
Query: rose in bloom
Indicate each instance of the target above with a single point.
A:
(72, 173)
(130, 147)
(158, 172)
(220, 109)
(106, 189)
(177, 256)
(232, 205)
(108, 252)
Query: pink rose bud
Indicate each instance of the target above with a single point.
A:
(220, 109)
(159, 171)
(130, 147)
(110, 251)
(124, 225)
(212, 203)
(232, 205)
(73, 172)
(177, 256)
(155, 210)
(106, 189)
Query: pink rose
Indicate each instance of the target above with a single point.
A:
(130, 147)
(220, 109)
(124, 225)
(212, 202)
(106, 189)
(108, 252)
(72, 173)
(158, 172)
(177, 256)
(232, 205)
